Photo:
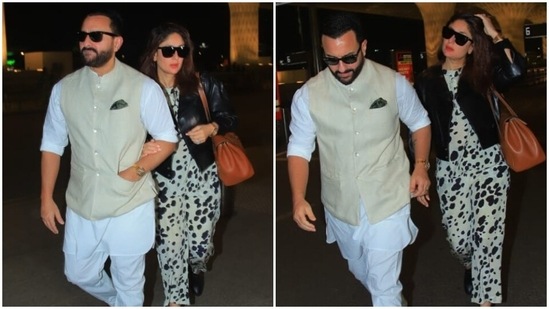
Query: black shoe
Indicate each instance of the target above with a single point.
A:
(468, 282)
(197, 283)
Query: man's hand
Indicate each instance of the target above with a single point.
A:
(419, 185)
(304, 216)
(152, 154)
(419, 182)
(50, 214)
(49, 211)
(130, 174)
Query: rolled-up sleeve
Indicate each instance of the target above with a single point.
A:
(55, 134)
(302, 128)
(156, 114)
(410, 109)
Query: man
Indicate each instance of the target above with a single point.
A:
(105, 110)
(352, 108)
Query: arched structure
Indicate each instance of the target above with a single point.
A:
(512, 16)
(435, 16)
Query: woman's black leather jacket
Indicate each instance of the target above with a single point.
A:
(191, 113)
(433, 92)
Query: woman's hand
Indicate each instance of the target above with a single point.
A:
(489, 28)
(200, 133)
(150, 147)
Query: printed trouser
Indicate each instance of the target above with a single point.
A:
(185, 229)
(473, 215)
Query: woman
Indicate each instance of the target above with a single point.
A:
(189, 202)
(472, 176)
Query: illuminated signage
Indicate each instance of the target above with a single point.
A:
(535, 31)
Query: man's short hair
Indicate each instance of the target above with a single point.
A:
(336, 24)
(117, 24)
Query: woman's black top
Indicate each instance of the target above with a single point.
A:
(435, 96)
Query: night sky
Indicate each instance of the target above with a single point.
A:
(52, 26)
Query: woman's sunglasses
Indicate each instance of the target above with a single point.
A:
(460, 39)
(169, 51)
(349, 59)
(95, 36)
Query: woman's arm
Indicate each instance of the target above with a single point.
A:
(510, 65)
(221, 110)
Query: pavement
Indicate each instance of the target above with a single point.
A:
(241, 272)
(310, 272)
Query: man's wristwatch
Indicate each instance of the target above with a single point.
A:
(425, 163)
(140, 171)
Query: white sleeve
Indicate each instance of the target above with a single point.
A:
(55, 134)
(410, 109)
(155, 113)
(302, 127)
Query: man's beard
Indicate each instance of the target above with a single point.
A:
(100, 58)
(355, 74)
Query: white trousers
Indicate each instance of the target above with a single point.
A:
(127, 283)
(379, 272)
(374, 252)
(125, 239)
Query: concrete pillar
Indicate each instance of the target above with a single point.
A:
(244, 33)
(511, 17)
(4, 41)
(435, 16)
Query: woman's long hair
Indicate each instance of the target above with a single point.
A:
(478, 68)
(185, 79)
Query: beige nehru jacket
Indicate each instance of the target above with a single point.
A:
(104, 141)
(361, 151)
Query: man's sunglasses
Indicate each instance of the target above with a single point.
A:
(349, 59)
(95, 36)
(460, 39)
(169, 51)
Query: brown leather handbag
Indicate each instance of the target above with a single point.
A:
(519, 145)
(233, 165)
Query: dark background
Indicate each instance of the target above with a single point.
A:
(52, 26)
(384, 34)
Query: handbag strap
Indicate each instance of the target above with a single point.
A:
(493, 92)
(490, 96)
(502, 100)
(203, 98)
(172, 112)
